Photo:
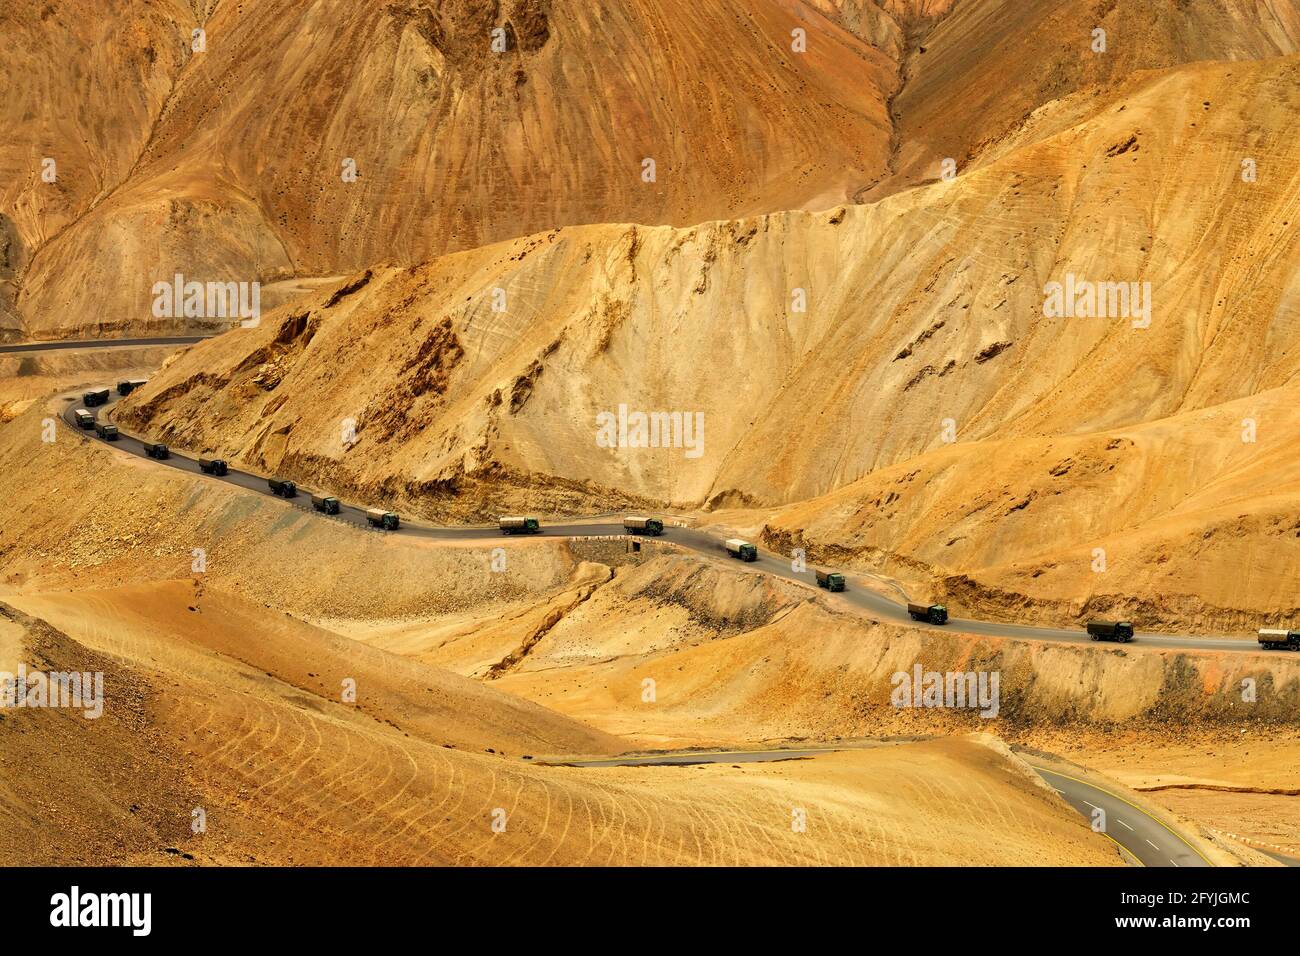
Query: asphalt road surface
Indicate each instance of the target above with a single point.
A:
(64, 344)
(1142, 837)
(1139, 833)
(864, 598)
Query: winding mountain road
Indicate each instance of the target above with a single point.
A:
(1144, 838)
(859, 596)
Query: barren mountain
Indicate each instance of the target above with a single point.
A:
(1027, 54)
(849, 353)
(79, 95)
(244, 174)
(221, 697)
(986, 302)
(233, 162)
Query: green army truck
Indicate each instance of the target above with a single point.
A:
(325, 504)
(636, 525)
(739, 548)
(930, 613)
(379, 518)
(1274, 639)
(830, 580)
(1121, 631)
(519, 525)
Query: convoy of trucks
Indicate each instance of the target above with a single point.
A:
(519, 525)
(1121, 631)
(738, 548)
(830, 580)
(379, 518)
(1276, 639)
(930, 613)
(650, 526)
(325, 504)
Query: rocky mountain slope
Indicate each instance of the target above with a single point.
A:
(238, 166)
(235, 162)
(843, 361)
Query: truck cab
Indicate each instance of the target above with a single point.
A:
(930, 613)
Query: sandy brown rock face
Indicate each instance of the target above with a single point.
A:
(217, 697)
(82, 89)
(1028, 54)
(247, 173)
(316, 140)
(932, 303)
(837, 353)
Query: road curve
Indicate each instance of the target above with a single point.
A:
(65, 344)
(1138, 832)
(1144, 838)
(864, 599)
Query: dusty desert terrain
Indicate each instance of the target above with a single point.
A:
(236, 675)
(839, 266)
(222, 704)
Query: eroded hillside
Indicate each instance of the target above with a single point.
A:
(247, 172)
(310, 138)
(217, 699)
(889, 375)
